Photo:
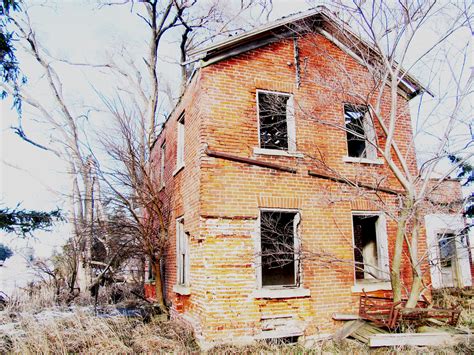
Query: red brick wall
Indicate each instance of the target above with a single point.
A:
(220, 199)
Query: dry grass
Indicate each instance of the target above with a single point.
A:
(33, 324)
(448, 298)
(81, 332)
(346, 346)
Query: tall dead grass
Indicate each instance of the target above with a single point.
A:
(32, 323)
(82, 332)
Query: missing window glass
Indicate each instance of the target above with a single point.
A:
(273, 120)
(278, 248)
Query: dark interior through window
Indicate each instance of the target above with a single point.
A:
(354, 119)
(278, 248)
(273, 124)
(446, 248)
(365, 240)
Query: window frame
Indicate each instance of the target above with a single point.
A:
(370, 136)
(180, 142)
(297, 246)
(290, 123)
(383, 259)
(454, 257)
(182, 271)
(162, 165)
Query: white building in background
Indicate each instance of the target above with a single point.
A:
(448, 248)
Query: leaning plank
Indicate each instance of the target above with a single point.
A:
(347, 329)
(344, 316)
(415, 339)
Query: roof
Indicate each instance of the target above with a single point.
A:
(320, 19)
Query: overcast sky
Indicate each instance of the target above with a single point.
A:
(80, 32)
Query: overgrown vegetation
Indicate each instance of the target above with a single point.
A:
(448, 298)
(33, 323)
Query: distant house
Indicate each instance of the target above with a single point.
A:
(259, 229)
(448, 240)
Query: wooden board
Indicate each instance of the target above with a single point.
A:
(364, 332)
(347, 329)
(417, 339)
(344, 316)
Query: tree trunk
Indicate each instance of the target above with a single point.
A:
(395, 274)
(417, 283)
(159, 285)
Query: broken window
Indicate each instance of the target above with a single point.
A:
(447, 248)
(276, 121)
(182, 253)
(150, 272)
(360, 132)
(370, 247)
(180, 143)
(279, 264)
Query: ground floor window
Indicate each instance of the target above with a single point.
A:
(279, 245)
(150, 272)
(370, 247)
(447, 248)
(182, 253)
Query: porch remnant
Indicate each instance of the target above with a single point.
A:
(417, 339)
(384, 312)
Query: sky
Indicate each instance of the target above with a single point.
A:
(81, 32)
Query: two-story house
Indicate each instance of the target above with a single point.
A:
(263, 241)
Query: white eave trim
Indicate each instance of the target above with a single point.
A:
(256, 31)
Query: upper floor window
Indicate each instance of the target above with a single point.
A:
(279, 246)
(276, 121)
(162, 165)
(360, 132)
(180, 143)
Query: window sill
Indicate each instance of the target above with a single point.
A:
(178, 169)
(182, 290)
(348, 159)
(281, 293)
(278, 152)
(371, 286)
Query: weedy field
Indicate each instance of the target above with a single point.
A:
(33, 324)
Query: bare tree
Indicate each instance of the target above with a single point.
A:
(131, 179)
(381, 36)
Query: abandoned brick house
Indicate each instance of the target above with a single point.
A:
(240, 162)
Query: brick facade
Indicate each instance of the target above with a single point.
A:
(220, 199)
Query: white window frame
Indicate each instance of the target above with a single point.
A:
(182, 254)
(382, 245)
(258, 248)
(454, 258)
(290, 124)
(180, 143)
(370, 140)
(162, 165)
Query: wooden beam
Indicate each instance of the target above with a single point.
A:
(356, 184)
(347, 329)
(417, 339)
(344, 316)
(249, 161)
